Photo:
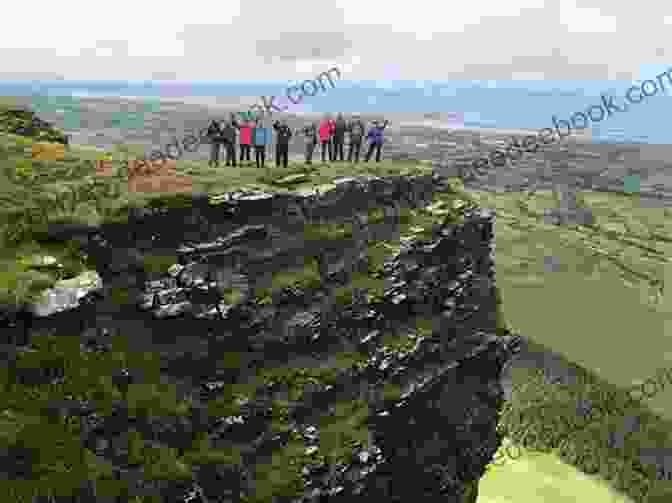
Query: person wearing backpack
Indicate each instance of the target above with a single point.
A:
(214, 135)
(340, 126)
(261, 136)
(356, 131)
(376, 140)
(310, 132)
(325, 137)
(284, 134)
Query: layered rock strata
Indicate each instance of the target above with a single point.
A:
(341, 344)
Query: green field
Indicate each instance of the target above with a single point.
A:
(604, 307)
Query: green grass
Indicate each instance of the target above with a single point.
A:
(327, 232)
(544, 477)
(63, 462)
(36, 193)
(159, 264)
(608, 290)
(296, 379)
(25, 273)
(203, 452)
(305, 277)
(603, 310)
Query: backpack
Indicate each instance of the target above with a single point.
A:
(214, 132)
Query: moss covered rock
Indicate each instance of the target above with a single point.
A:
(27, 123)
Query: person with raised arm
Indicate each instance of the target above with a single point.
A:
(214, 136)
(284, 134)
(376, 139)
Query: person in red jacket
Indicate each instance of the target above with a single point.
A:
(245, 140)
(325, 136)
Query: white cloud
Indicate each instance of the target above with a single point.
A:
(233, 40)
(587, 19)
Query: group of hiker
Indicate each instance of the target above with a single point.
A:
(329, 133)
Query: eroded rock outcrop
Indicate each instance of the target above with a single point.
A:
(348, 337)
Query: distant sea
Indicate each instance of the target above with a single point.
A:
(524, 105)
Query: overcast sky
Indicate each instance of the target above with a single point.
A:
(281, 41)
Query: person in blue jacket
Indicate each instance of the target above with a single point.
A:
(376, 140)
(261, 136)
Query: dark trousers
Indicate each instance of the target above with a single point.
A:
(377, 146)
(281, 154)
(244, 152)
(310, 148)
(230, 154)
(260, 155)
(326, 146)
(355, 146)
(338, 149)
(214, 153)
(332, 144)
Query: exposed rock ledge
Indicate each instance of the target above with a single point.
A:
(410, 357)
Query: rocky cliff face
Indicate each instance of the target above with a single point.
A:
(341, 344)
